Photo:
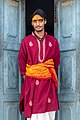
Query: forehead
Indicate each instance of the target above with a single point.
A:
(36, 17)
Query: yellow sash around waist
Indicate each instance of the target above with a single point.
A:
(42, 71)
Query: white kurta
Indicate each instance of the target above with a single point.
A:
(43, 116)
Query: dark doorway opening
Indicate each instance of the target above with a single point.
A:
(48, 7)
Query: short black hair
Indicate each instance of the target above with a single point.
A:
(39, 12)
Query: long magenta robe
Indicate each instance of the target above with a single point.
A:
(38, 96)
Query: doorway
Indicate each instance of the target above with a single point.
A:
(47, 6)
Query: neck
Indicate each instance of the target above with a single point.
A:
(40, 34)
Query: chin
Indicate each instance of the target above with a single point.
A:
(39, 30)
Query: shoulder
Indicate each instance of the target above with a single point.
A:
(52, 39)
(27, 38)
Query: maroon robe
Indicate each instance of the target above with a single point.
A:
(38, 96)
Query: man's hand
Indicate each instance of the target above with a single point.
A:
(23, 76)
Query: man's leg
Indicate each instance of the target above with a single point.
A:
(33, 117)
(52, 115)
(47, 116)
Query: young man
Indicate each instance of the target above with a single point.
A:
(39, 58)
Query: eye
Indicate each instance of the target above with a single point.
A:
(40, 20)
(34, 21)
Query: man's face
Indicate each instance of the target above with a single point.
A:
(38, 23)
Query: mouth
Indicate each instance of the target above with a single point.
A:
(38, 27)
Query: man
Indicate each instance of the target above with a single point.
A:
(39, 58)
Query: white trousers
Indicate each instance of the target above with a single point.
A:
(43, 116)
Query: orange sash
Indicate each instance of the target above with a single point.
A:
(42, 71)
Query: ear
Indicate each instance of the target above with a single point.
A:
(45, 21)
(31, 23)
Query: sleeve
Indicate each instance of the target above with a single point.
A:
(57, 56)
(22, 58)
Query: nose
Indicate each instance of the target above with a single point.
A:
(37, 22)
